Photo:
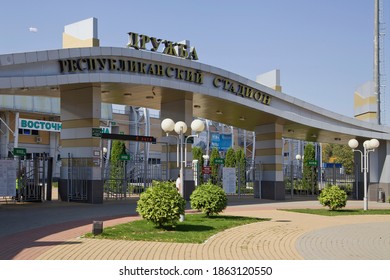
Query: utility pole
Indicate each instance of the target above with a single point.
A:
(376, 60)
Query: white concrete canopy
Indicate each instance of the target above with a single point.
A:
(159, 78)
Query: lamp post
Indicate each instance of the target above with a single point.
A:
(298, 157)
(168, 125)
(368, 146)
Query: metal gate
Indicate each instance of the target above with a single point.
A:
(320, 178)
(34, 179)
(127, 178)
(77, 179)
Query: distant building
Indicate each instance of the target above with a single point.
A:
(365, 103)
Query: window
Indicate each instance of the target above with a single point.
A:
(28, 132)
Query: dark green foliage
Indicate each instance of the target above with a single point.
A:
(214, 167)
(241, 164)
(117, 170)
(161, 204)
(230, 159)
(333, 197)
(209, 198)
(309, 172)
(340, 154)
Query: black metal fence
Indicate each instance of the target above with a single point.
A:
(317, 179)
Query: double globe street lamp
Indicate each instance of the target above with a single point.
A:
(368, 146)
(168, 125)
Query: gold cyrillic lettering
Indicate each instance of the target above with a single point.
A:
(216, 82)
(111, 64)
(249, 92)
(226, 84)
(151, 70)
(169, 48)
(179, 74)
(193, 55)
(63, 65)
(267, 100)
(182, 50)
(155, 43)
(159, 70)
(141, 67)
(240, 91)
(190, 76)
(133, 40)
(121, 65)
(143, 41)
(101, 62)
(199, 77)
(168, 72)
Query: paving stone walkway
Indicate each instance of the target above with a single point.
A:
(286, 236)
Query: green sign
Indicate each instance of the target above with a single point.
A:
(96, 132)
(124, 157)
(19, 152)
(312, 163)
(40, 125)
(219, 161)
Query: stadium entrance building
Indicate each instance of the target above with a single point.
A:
(167, 76)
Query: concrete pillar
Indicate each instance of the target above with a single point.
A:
(380, 171)
(81, 177)
(177, 110)
(268, 152)
(4, 136)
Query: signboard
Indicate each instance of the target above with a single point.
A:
(124, 157)
(105, 129)
(21, 152)
(219, 161)
(312, 163)
(49, 126)
(225, 142)
(124, 137)
(221, 141)
(8, 177)
(206, 169)
(229, 179)
(96, 132)
(332, 165)
(40, 125)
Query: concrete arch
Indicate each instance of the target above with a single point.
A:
(85, 77)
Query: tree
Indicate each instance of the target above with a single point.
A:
(309, 172)
(241, 163)
(214, 167)
(118, 148)
(339, 154)
(230, 159)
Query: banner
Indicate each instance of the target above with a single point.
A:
(221, 141)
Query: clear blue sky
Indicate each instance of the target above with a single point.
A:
(323, 48)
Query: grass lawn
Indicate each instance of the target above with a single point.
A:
(196, 228)
(327, 212)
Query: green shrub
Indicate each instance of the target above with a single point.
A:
(333, 197)
(161, 204)
(209, 198)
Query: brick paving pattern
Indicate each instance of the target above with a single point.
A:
(286, 236)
